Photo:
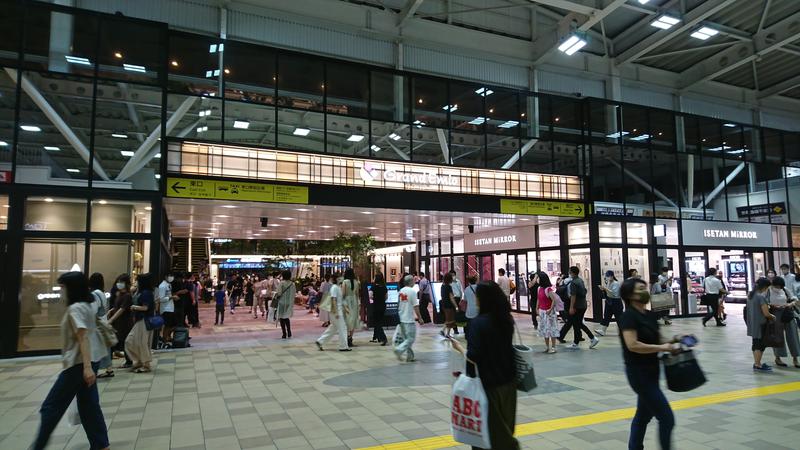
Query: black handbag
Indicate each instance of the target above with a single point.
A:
(787, 315)
(682, 371)
(772, 334)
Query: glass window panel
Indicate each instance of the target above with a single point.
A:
(114, 257)
(707, 179)
(567, 118)
(347, 87)
(780, 237)
(131, 51)
(671, 229)
(467, 112)
(125, 116)
(637, 233)
(292, 127)
(665, 179)
(390, 96)
(502, 150)
(691, 131)
(737, 189)
(610, 232)
(430, 101)
(537, 154)
(638, 260)
(662, 130)
(568, 159)
(194, 64)
(60, 42)
(791, 146)
(10, 38)
(55, 214)
(427, 147)
(260, 120)
(348, 135)
(549, 235)
(250, 73)
(44, 155)
(390, 140)
(467, 148)
(301, 83)
(578, 233)
(202, 119)
(611, 259)
(535, 116)
(41, 308)
(8, 101)
(119, 216)
(710, 136)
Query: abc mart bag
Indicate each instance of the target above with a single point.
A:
(469, 422)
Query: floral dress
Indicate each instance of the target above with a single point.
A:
(548, 320)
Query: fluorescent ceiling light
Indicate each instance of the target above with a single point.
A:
(51, 148)
(508, 124)
(77, 60)
(229, 206)
(134, 68)
(157, 156)
(737, 151)
(302, 209)
(325, 226)
(119, 135)
(451, 108)
(158, 176)
(202, 129)
(204, 113)
(477, 121)
(48, 200)
(617, 135)
(301, 131)
(665, 22)
(572, 45)
(730, 125)
(285, 218)
(356, 138)
(127, 153)
(419, 123)
(704, 33)
(342, 220)
(394, 137)
(375, 148)
(73, 171)
(213, 48)
(644, 2)
(3, 144)
(484, 91)
(274, 225)
(241, 124)
(643, 137)
(716, 149)
(30, 128)
(367, 213)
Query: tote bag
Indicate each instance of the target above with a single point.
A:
(663, 301)
(469, 412)
(523, 359)
(682, 371)
(772, 335)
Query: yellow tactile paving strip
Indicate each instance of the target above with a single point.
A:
(544, 426)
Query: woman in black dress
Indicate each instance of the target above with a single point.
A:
(379, 293)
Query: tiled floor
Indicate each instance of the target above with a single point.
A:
(246, 388)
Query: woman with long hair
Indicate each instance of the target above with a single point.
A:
(121, 315)
(139, 340)
(286, 293)
(448, 305)
(546, 301)
(78, 377)
(97, 288)
(379, 293)
(641, 343)
(489, 348)
(350, 291)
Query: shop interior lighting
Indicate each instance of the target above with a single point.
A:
(127, 153)
(508, 124)
(642, 137)
(134, 68)
(73, 171)
(301, 131)
(78, 60)
(394, 137)
(730, 125)
(33, 128)
(119, 135)
(617, 134)
(665, 22)
(342, 220)
(484, 92)
(241, 124)
(3, 144)
(477, 121)
(325, 226)
(51, 148)
(704, 33)
(48, 200)
(355, 138)
(204, 113)
(451, 108)
(572, 45)
(375, 148)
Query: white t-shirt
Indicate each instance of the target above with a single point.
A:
(505, 284)
(712, 285)
(458, 291)
(336, 292)
(78, 315)
(472, 305)
(407, 300)
(165, 297)
(791, 282)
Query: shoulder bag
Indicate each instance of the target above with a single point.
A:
(663, 301)
(682, 371)
(107, 332)
(523, 359)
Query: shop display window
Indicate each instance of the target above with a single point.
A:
(610, 232)
(666, 232)
(638, 258)
(581, 259)
(695, 274)
(637, 233)
(611, 259)
(55, 214)
(120, 216)
(779, 236)
(114, 257)
(549, 235)
(578, 233)
(458, 245)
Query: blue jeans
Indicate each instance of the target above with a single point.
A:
(68, 385)
(651, 403)
(409, 336)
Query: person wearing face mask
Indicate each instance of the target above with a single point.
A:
(641, 343)
(665, 285)
(780, 299)
(789, 278)
(757, 315)
(613, 302)
(576, 289)
(713, 289)
(121, 316)
(166, 304)
(337, 310)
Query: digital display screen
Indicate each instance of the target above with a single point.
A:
(391, 297)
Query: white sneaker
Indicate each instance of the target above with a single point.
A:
(594, 343)
(573, 346)
(600, 331)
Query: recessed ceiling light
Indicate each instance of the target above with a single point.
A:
(222, 216)
(572, 45)
(134, 68)
(356, 138)
(78, 60)
(274, 225)
(3, 144)
(704, 33)
(33, 128)
(310, 231)
(51, 148)
(343, 220)
(73, 171)
(372, 228)
(241, 124)
(48, 200)
(204, 113)
(229, 206)
(395, 223)
(424, 215)
(665, 22)
(367, 212)
(325, 226)
(299, 235)
(127, 153)
(301, 132)
(286, 218)
(119, 135)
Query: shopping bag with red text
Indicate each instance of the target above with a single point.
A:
(469, 413)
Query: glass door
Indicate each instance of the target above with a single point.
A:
(522, 295)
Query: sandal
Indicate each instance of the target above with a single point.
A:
(106, 375)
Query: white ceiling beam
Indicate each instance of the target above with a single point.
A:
(408, 11)
(764, 15)
(779, 88)
(660, 37)
(765, 41)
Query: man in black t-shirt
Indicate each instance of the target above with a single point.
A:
(576, 290)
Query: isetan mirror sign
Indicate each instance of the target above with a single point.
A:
(499, 240)
(729, 234)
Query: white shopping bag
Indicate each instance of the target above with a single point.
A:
(397, 337)
(73, 417)
(469, 414)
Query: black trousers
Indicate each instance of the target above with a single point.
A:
(576, 321)
(713, 306)
(220, 314)
(377, 326)
(613, 309)
(423, 308)
(286, 327)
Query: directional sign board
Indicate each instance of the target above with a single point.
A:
(541, 208)
(235, 190)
